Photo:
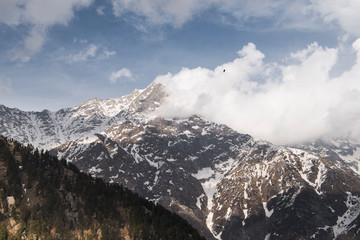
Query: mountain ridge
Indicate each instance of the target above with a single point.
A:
(226, 184)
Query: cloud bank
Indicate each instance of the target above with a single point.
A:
(284, 104)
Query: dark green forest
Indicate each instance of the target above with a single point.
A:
(54, 200)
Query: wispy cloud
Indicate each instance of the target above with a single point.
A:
(39, 15)
(82, 41)
(100, 10)
(297, 14)
(91, 53)
(343, 12)
(5, 84)
(106, 54)
(281, 103)
(161, 12)
(123, 74)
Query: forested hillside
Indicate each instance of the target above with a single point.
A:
(44, 198)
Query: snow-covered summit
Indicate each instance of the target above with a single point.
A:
(227, 184)
(48, 129)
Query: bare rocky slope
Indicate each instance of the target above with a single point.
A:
(227, 184)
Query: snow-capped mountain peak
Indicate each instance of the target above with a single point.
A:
(48, 129)
(227, 184)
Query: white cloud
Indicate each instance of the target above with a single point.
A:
(356, 47)
(34, 41)
(32, 44)
(106, 54)
(39, 15)
(50, 12)
(176, 13)
(100, 10)
(89, 53)
(11, 12)
(344, 12)
(281, 103)
(81, 41)
(296, 14)
(159, 12)
(123, 74)
(260, 8)
(5, 84)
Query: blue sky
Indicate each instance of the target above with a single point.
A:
(56, 54)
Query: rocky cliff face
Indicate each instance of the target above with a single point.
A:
(227, 184)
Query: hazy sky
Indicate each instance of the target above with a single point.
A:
(286, 61)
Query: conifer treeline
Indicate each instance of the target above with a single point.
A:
(54, 200)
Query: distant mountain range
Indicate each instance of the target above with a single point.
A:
(228, 185)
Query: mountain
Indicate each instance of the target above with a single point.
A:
(342, 150)
(48, 129)
(43, 198)
(228, 185)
